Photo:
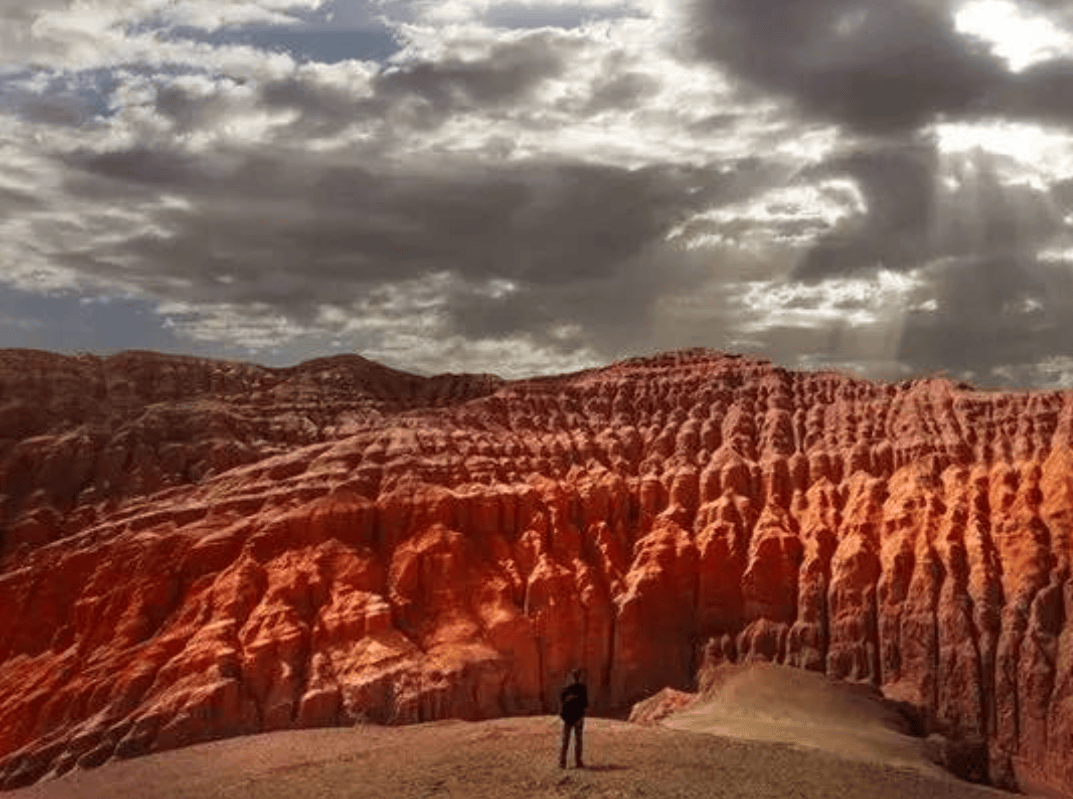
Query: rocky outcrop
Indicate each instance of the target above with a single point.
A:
(435, 547)
(661, 705)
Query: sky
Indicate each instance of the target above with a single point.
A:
(880, 187)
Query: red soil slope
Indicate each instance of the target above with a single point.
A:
(194, 549)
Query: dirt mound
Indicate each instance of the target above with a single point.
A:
(767, 702)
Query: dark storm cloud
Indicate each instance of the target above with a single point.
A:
(898, 186)
(323, 110)
(609, 311)
(1039, 92)
(618, 85)
(1062, 191)
(567, 237)
(56, 110)
(873, 65)
(911, 220)
(990, 315)
(656, 299)
(141, 169)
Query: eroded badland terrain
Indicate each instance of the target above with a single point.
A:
(194, 550)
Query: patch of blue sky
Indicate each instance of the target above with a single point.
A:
(16, 84)
(568, 16)
(71, 323)
(338, 30)
(321, 41)
(322, 44)
(64, 98)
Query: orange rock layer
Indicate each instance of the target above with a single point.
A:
(194, 550)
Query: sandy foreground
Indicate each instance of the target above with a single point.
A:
(503, 758)
(760, 731)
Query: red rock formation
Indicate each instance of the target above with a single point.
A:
(661, 705)
(78, 434)
(375, 545)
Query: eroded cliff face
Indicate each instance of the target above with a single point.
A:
(80, 435)
(453, 546)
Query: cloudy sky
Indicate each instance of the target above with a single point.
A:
(878, 186)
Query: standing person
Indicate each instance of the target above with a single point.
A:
(574, 700)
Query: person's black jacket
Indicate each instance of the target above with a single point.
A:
(574, 700)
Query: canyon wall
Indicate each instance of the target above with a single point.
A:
(194, 549)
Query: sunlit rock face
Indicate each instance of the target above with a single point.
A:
(194, 549)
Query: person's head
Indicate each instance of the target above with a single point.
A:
(576, 674)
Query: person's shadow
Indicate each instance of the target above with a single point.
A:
(606, 767)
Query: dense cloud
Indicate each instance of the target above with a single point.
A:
(518, 187)
(874, 65)
(528, 249)
(923, 207)
(899, 188)
(966, 225)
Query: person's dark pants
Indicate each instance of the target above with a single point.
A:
(578, 728)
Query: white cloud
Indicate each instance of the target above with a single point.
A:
(211, 15)
(1014, 33)
(82, 18)
(255, 327)
(857, 302)
(104, 34)
(399, 324)
(1057, 256)
(1057, 371)
(1040, 151)
(791, 215)
(536, 12)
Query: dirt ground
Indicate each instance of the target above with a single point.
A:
(512, 758)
